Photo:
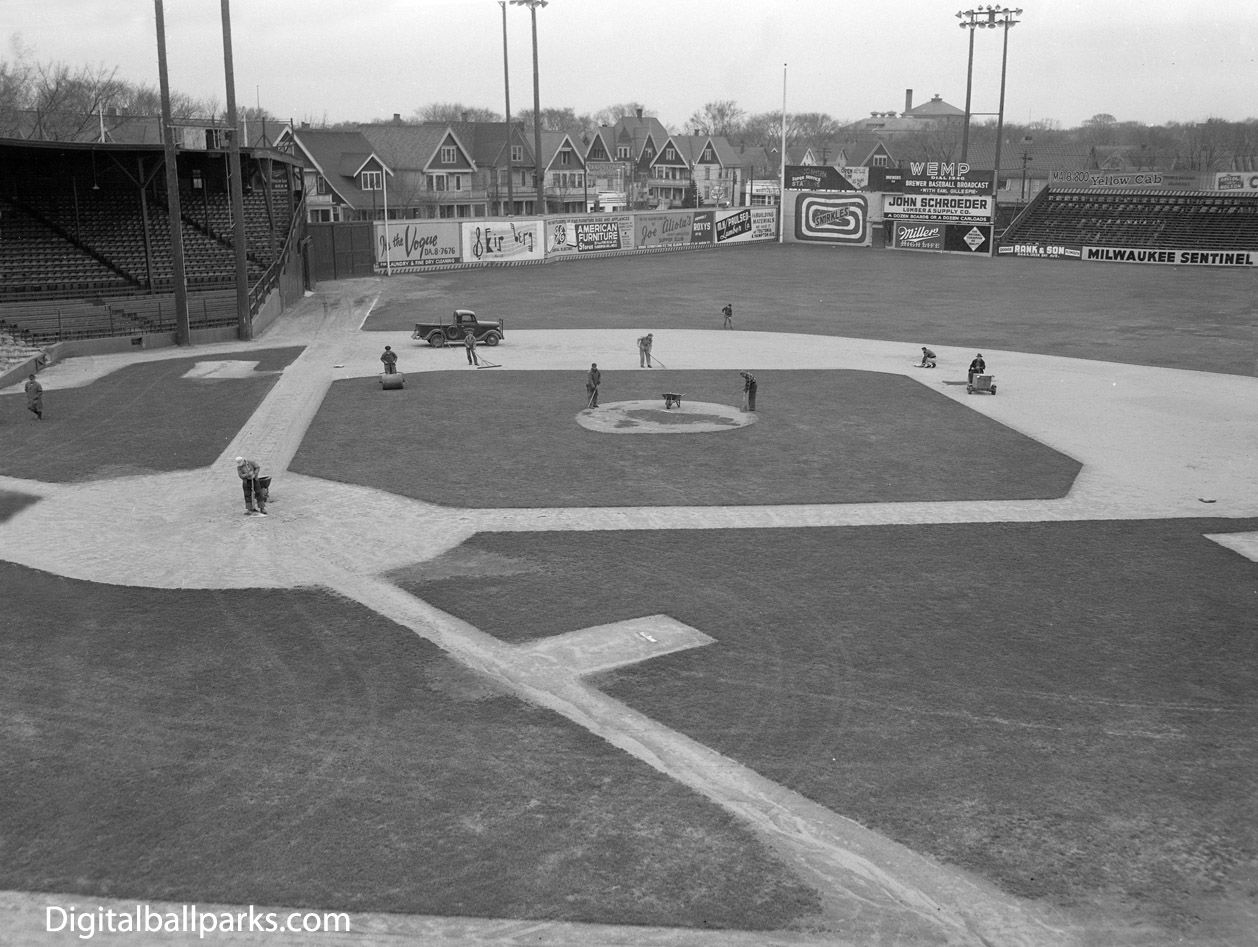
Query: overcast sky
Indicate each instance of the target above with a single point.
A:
(1150, 61)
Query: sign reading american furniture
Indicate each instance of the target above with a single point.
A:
(1173, 257)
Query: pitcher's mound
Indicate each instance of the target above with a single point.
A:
(650, 417)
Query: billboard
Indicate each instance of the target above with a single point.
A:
(916, 235)
(595, 234)
(820, 177)
(945, 177)
(942, 237)
(1236, 181)
(936, 207)
(504, 241)
(1042, 251)
(827, 217)
(673, 229)
(745, 224)
(414, 244)
(1171, 257)
(859, 176)
(1073, 178)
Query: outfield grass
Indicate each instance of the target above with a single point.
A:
(824, 437)
(1175, 317)
(294, 748)
(141, 419)
(1067, 709)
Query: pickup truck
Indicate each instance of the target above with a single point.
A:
(453, 331)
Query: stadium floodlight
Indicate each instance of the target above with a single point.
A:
(538, 171)
(985, 17)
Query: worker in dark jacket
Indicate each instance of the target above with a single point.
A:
(593, 379)
(977, 367)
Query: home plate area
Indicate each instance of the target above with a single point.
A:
(651, 417)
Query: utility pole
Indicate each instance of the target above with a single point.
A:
(506, 82)
(183, 331)
(244, 318)
(538, 170)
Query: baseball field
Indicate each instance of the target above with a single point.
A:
(887, 662)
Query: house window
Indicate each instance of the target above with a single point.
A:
(517, 152)
(321, 185)
(707, 174)
(670, 154)
(880, 161)
(565, 157)
(622, 152)
(447, 154)
(436, 182)
(458, 182)
(371, 180)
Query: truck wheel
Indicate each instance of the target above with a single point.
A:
(437, 339)
(491, 338)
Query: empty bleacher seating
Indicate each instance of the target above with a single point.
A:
(1139, 218)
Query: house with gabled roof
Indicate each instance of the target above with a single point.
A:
(504, 154)
(437, 175)
(607, 178)
(563, 162)
(342, 175)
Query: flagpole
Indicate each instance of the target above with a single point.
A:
(782, 169)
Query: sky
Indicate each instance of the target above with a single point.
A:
(1150, 61)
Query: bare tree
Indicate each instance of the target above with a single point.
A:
(614, 113)
(455, 112)
(722, 118)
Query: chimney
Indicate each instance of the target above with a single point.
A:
(465, 118)
(397, 118)
(639, 112)
(908, 100)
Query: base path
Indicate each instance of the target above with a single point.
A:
(1153, 443)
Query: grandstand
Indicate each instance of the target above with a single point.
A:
(85, 246)
(1139, 218)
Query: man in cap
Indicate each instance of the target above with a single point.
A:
(977, 367)
(644, 350)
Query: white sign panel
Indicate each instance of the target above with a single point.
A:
(937, 207)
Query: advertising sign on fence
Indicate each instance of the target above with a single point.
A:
(809, 177)
(504, 241)
(594, 234)
(414, 244)
(943, 237)
(945, 177)
(936, 207)
(827, 217)
(918, 236)
(1173, 257)
(1041, 251)
(673, 229)
(745, 224)
(1236, 181)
